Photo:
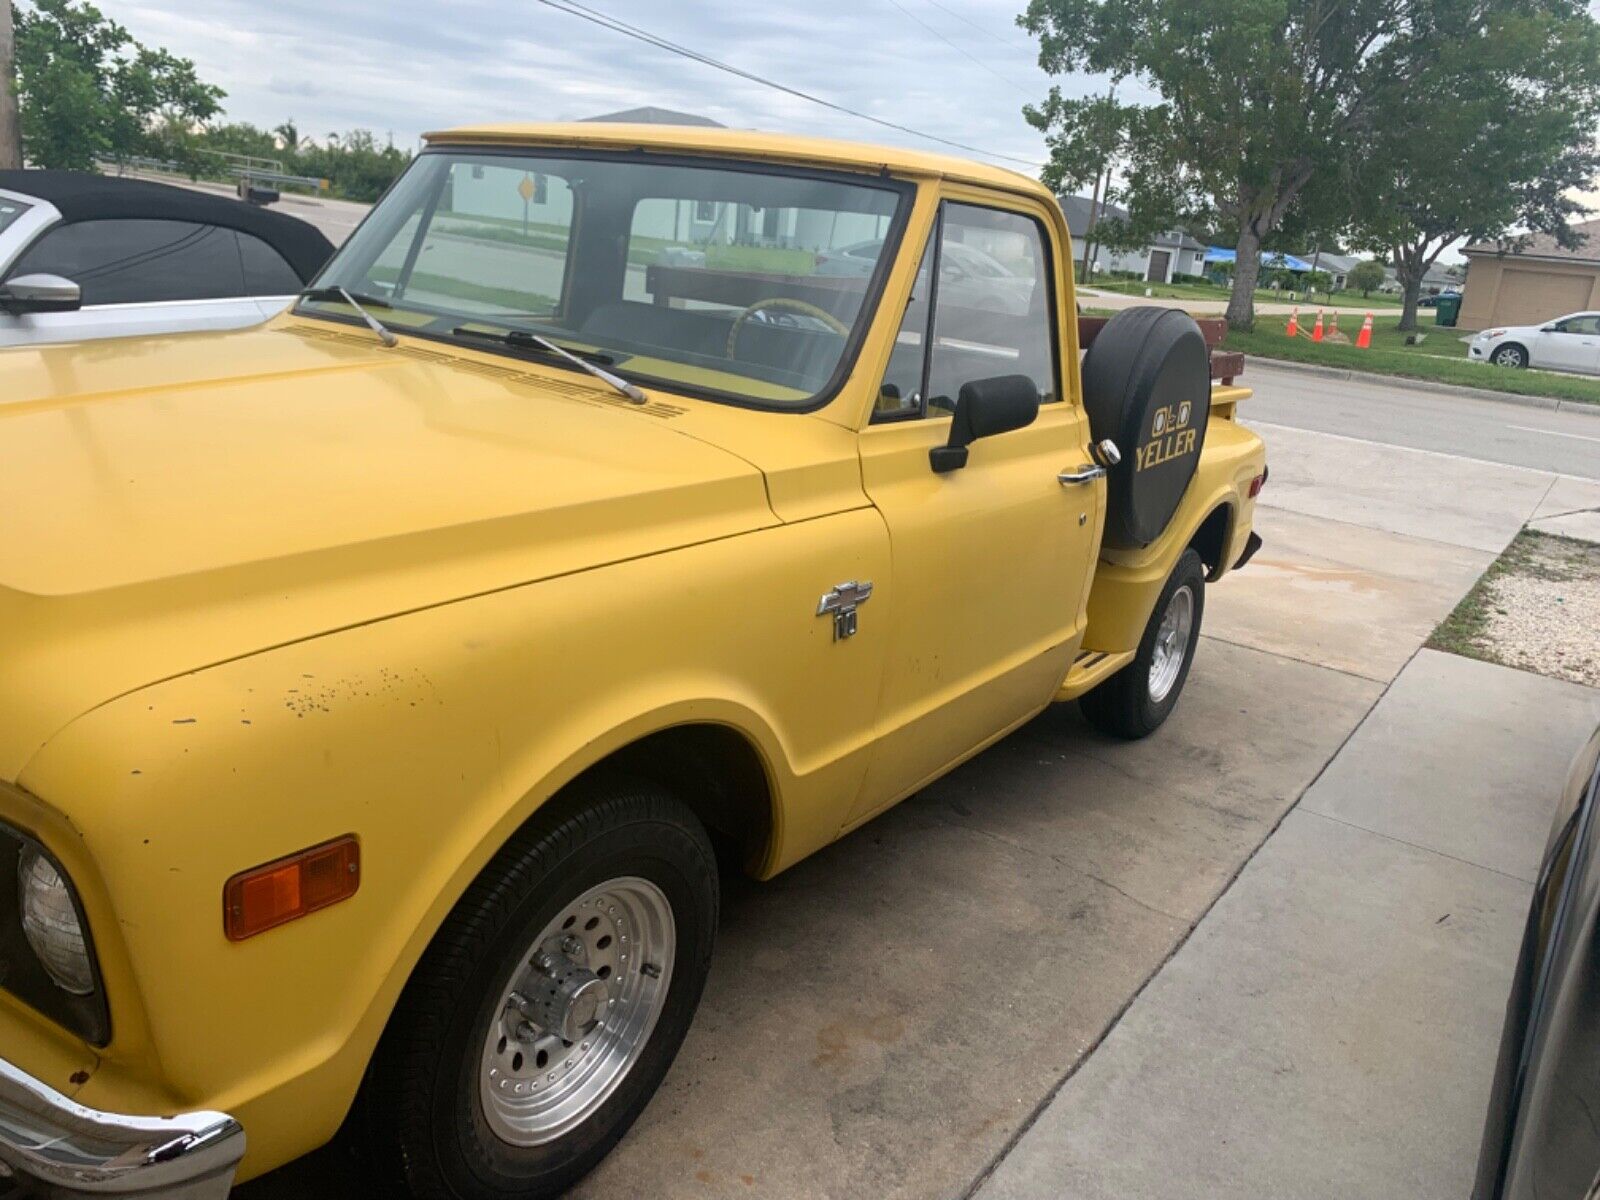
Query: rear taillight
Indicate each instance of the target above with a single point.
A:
(1259, 482)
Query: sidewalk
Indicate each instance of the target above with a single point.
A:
(1330, 1029)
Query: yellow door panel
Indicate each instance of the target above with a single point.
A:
(991, 564)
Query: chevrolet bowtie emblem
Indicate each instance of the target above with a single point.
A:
(842, 602)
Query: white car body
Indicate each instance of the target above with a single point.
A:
(94, 321)
(1569, 343)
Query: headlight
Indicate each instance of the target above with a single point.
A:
(50, 923)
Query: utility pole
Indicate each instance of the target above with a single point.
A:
(10, 130)
(1094, 218)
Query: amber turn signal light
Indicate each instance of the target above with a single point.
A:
(277, 892)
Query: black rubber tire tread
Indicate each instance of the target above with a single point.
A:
(1511, 345)
(412, 1107)
(1121, 706)
(1147, 364)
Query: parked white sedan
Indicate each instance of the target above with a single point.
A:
(1569, 343)
(86, 256)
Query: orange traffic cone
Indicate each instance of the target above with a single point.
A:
(1294, 322)
(1364, 338)
(1316, 330)
(1333, 325)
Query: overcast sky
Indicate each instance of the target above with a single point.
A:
(960, 69)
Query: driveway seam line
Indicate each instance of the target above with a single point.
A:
(1305, 662)
(1183, 940)
(1542, 499)
(1250, 422)
(1569, 513)
(1415, 537)
(1400, 841)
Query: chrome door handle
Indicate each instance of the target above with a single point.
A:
(1087, 473)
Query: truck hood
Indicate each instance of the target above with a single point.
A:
(170, 503)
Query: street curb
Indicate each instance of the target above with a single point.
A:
(1549, 403)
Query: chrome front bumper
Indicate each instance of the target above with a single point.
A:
(67, 1150)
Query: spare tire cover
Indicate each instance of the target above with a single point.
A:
(1147, 387)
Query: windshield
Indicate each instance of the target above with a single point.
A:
(10, 209)
(710, 278)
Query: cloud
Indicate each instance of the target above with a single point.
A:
(960, 69)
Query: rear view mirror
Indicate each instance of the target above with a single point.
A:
(39, 294)
(984, 408)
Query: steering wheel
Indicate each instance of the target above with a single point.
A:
(784, 304)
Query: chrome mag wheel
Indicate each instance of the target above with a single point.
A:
(578, 1012)
(1172, 643)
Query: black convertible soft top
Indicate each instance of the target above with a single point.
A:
(80, 196)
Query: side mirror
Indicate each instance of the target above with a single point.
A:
(39, 294)
(984, 408)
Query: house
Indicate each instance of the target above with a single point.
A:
(1171, 253)
(1336, 266)
(1533, 284)
(1076, 209)
(1175, 253)
(650, 115)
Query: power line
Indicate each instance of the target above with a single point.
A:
(958, 48)
(986, 32)
(574, 9)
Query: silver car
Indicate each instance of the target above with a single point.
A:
(86, 256)
(1569, 343)
(970, 278)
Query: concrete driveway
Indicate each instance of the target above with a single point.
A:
(1244, 957)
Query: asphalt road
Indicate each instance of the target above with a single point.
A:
(1395, 415)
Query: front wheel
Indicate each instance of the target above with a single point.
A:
(550, 1003)
(1510, 355)
(1137, 699)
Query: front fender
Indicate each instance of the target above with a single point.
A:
(431, 737)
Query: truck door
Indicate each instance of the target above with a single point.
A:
(990, 561)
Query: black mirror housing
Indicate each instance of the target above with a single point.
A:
(985, 407)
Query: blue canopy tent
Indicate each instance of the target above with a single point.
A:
(1269, 258)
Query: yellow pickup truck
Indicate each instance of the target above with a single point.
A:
(382, 690)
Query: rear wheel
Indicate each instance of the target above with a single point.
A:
(550, 1004)
(1137, 699)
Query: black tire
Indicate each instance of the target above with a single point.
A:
(426, 1129)
(1123, 705)
(1511, 354)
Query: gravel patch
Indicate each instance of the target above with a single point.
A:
(1537, 608)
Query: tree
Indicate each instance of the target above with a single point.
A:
(1515, 133)
(88, 90)
(1090, 141)
(10, 134)
(1257, 97)
(1366, 276)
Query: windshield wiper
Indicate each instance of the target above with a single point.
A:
(336, 292)
(522, 339)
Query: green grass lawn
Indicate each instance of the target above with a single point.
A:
(1441, 357)
(1204, 291)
